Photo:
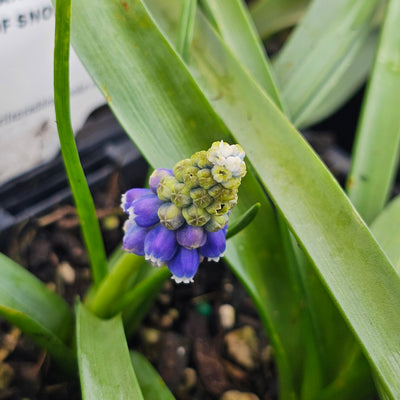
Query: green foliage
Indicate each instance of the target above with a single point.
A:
(151, 384)
(105, 367)
(180, 76)
(37, 311)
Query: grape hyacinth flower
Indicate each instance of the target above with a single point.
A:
(183, 218)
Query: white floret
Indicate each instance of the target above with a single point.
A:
(228, 156)
(235, 165)
(225, 149)
(238, 151)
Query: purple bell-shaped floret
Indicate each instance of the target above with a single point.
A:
(131, 195)
(160, 245)
(191, 237)
(184, 265)
(156, 177)
(133, 241)
(215, 245)
(144, 210)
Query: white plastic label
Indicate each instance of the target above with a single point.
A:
(28, 133)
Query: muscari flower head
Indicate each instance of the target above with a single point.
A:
(183, 217)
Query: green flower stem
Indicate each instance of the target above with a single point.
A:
(80, 189)
(141, 291)
(114, 285)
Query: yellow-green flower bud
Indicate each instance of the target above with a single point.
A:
(190, 177)
(171, 216)
(200, 159)
(206, 179)
(165, 187)
(215, 190)
(216, 222)
(232, 183)
(221, 194)
(180, 195)
(180, 168)
(200, 197)
(195, 216)
(221, 173)
(217, 208)
(228, 195)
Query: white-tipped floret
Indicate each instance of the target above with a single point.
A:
(216, 259)
(228, 156)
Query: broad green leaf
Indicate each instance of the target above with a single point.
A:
(36, 310)
(77, 181)
(162, 109)
(105, 367)
(386, 230)
(152, 385)
(235, 26)
(320, 51)
(271, 16)
(376, 153)
(324, 221)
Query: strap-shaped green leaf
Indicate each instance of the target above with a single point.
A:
(319, 52)
(271, 16)
(386, 230)
(151, 383)
(376, 152)
(235, 26)
(76, 177)
(105, 368)
(186, 27)
(346, 85)
(36, 310)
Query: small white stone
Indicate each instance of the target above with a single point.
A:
(66, 272)
(226, 316)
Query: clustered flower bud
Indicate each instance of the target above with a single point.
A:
(183, 217)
